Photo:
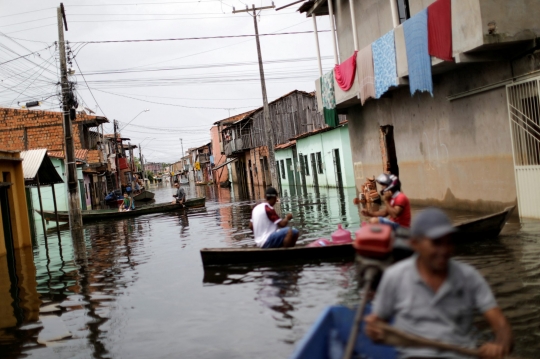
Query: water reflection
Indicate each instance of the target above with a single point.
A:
(132, 287)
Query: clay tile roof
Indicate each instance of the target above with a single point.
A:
(283, 146)
(79, 154)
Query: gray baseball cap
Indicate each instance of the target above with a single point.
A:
(431, 223)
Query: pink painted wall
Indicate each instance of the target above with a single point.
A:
(221, 174)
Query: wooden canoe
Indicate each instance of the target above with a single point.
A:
(104, 214)
(144, 196)
(479, 228)
(330, 333)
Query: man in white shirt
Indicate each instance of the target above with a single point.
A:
(269, 229)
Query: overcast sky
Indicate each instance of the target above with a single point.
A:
(187, 85)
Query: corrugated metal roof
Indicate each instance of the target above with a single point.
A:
(38, 162)
(32, 160)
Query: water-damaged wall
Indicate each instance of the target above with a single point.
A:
(456, 154)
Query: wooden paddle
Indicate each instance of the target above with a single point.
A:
(395, 337)
(369, 275)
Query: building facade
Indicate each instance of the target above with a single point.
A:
(461, 132)
(321, 158)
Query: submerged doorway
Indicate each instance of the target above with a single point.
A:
(5, 209)
(388, 150)
(524, 109)
(337, 168)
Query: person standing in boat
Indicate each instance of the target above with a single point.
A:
(180, 196)
(436, 297)
(397, 205)
(269, 229)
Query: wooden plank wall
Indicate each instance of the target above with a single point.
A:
(290, 116)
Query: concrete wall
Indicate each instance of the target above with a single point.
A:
(12, 167)
(222, 174)
(325, 142)
(454, 154)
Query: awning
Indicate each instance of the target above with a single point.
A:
(224, 164)
(37, 162)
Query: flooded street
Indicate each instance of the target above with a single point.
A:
(136, 288)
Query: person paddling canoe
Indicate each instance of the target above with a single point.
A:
(265, 224)
(180, 196)
(397, 205)
(436, 297)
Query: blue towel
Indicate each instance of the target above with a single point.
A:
(384, 62)
(416, 42)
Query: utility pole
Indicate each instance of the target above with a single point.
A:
(74, 199)
(142, 163)
(116, 159)
(269, 134)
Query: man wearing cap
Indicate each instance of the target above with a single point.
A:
(436, 297)
(268, 228)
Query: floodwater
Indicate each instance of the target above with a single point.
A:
(136, 288)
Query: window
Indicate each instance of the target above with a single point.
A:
(282, 169)
(404, 12)
(306, 165)
(319, 163)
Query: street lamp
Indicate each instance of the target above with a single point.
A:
(133, 119)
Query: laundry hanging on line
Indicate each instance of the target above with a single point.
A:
(418, 59)
(366, 74)
(384, 63)
(329, 99)
(345, 72)
(440, 29)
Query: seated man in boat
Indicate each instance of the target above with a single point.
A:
(397, 205)
(269, 229)
(127, 204)
(180, 196)
(435, 297)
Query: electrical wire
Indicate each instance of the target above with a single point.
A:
(196, 38)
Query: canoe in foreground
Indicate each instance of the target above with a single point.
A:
(103, 214)
(220, 256)
(328, 337)
(478, 228)
(144, 196)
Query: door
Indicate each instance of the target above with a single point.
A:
(296, 167)
(82, 193)
(314, 170)
(337, 167)
(388, 150)
(6, 217)
(524, 112)
(290, 176)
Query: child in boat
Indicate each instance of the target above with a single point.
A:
(269, 229)
(127, 204)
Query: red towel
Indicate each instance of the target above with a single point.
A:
(440, 29)
(345, 73)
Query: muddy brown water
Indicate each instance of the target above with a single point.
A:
(136, 288)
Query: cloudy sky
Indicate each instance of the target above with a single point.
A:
(186, 85)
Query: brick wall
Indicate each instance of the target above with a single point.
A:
(28, 129)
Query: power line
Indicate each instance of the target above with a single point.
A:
(25, 22)
(196, 38)
(27, 12)
(25, 55)
(89, 89)
(148, 3)
(176, 105)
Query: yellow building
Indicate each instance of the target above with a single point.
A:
(14, 223)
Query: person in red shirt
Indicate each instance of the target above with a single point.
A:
(397, 205)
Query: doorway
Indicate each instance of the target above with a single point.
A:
(388, 150)
(290, 176)
(337, 167)
(314, 170)
(6, 216)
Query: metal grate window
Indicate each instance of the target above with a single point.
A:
(306, 165)
(282, 163)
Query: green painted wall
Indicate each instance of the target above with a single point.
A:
(283, 155)
(46, 194)
(324, 143)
